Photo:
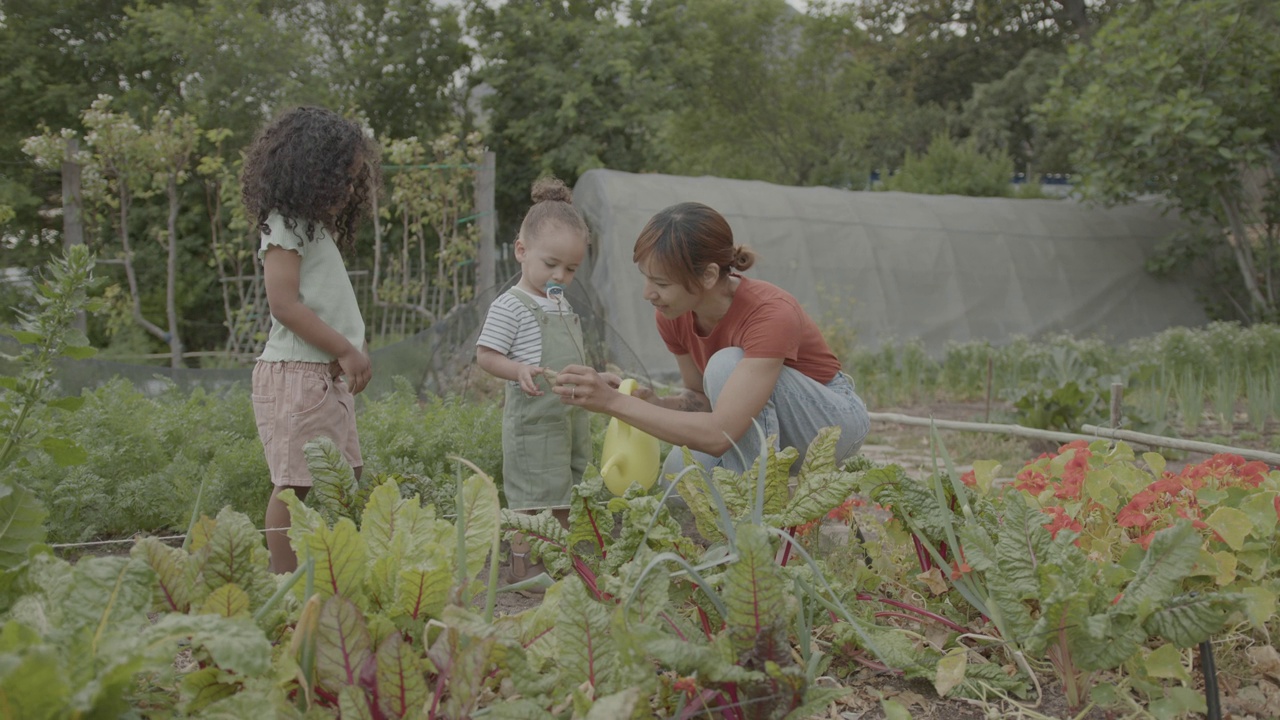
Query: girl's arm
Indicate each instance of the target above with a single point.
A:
(743, 397)
(281, 270)
(501, 366)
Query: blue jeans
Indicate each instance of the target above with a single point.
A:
(798, 408)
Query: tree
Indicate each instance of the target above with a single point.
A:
(1000, 115)
(394, 60)
(1177, 97)
(574, 88)
(767, 93)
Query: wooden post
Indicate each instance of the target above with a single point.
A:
(990, 365)
(1117, 404)
(486, 260)
(72, 223)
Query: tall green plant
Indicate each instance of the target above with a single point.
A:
(952, 167)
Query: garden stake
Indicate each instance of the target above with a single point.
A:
(1213, 709)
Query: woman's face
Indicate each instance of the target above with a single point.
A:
(667, 295)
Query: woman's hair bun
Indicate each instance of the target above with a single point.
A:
(551, 189)
(743, 257)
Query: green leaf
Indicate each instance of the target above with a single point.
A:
(227, 601)
(1261, 509)
(402, 687)
(69, 403)
(1233, 525)
(422, 591)
(894, 710)
(480, 511)
(621, 704)
(21, 524)
(950, 671)
(36, 667)
(79, 352)
(204, 687)
(1177, 702)
(711, 663)
(1165, 565)
(1259, 605)
(587, 651)
(234, 644)
(343, 644)
(1156, 462)
(1166, 662)
(334, 490)
(754, 589)
(64, 452)
(353, 704)
(233, 553)
(341, 559)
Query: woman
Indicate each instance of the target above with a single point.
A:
(746, 350)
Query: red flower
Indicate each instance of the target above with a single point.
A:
(1276, 502)
(1031, 480)
(1061, 521)
(970, 479)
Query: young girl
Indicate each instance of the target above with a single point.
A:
(530, 330)
(307, 181)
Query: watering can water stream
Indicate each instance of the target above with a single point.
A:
(629, 455)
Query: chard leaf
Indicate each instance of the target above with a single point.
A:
(203, 687)
(521, 709)
(232, 553)
(713, 664)
(36, 667)
(480, 511)
(547, 537)
(621, 704)
(227, 601)
(201, 531)
(587, 652)
(341, 559)
(378, 523)
(21, 524)
(382, 585)
(816, 494)
(1188, 620)
(820, 457)
(817, 700)
(402, 688)
(108, 598)
(1105, 640)
(175, 574)
(693, 488)
(463, 659)
(1166, 564)
(335, 490)
(754, 589)
(343, 644)
(588, 520)
(422, 591)
(353, 704)
(234, 644)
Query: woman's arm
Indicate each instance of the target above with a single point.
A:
(692, 398)
(743, 397)
(281, 272)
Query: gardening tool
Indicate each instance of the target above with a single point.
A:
(629, 456)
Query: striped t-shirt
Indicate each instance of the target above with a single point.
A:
(512, 329)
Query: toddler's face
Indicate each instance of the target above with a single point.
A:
(554, 256)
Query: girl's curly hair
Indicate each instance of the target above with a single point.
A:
(300, 165)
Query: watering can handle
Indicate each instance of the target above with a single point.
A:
(609, 465)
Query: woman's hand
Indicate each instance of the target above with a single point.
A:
(583, 386)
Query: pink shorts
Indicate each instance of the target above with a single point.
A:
(295, 402)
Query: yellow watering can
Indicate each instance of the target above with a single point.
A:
(629, 455)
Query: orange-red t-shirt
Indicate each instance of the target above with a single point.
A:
(766, 322)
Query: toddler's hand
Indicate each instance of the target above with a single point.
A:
(526, 378)
(644, 393)
(356, 366)
(614, 380)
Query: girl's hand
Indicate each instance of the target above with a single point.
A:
(526, 375)
(357, 368)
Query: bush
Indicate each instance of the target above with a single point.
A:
(954, 168)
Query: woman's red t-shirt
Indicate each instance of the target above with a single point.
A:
(766, 322)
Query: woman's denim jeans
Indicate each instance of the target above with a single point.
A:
(798, 408)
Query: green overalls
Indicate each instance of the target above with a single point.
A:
(546, 444)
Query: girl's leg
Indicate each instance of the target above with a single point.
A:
(283, 559)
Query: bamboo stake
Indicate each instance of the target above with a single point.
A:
(1018, 430)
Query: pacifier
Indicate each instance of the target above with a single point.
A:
(554, 290)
